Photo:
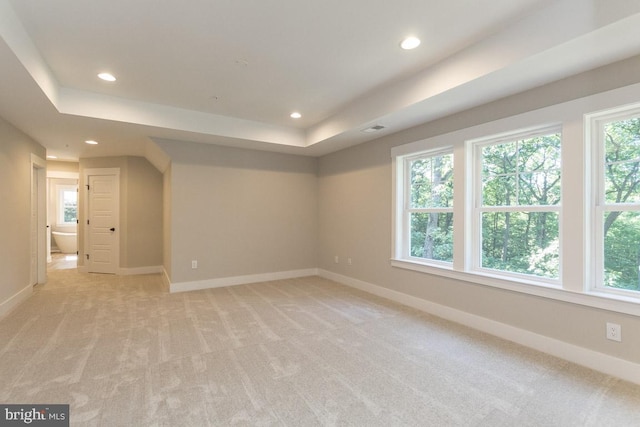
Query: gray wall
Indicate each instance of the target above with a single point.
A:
(140, 210)
(143, 246)
(355, 206)
(239, 212)
(15, 209)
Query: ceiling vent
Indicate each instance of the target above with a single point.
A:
(375, 128)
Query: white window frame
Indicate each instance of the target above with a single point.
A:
(475, 146)
(577, 283)
(594, 124)
(404, 211)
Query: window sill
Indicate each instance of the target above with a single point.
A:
(602, 300)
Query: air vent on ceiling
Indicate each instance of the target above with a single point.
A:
(371, 129)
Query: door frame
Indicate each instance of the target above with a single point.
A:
(39, 197)
(85, 208)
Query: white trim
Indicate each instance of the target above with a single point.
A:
(239, 280)
(39, 166)
(401, 189)
(474, 212)
(151, 269)
(601, 362)
(39, 162)
(15, 300)
(598, 206)
(616, 303)
(517, 134)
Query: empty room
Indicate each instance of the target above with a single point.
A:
(411, 213)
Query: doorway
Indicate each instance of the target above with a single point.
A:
(62, 218)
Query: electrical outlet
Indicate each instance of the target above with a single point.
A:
(349, 261)
(614, 332)
(194, 264)
(336, 259)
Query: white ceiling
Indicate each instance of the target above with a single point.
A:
(230, 71)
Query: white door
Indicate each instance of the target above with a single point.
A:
(103, 224)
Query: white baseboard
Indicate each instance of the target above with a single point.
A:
(153, 269)
(15, 300)
(601, 362)
(239, 280)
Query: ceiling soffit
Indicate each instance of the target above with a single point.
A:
(499, 65)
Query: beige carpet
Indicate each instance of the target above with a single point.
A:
(300, 352)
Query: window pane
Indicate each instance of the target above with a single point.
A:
(540, 153)
(432, 236)
(499, 191)
(432, 182)
(522, 173)
(70, 205)
(622, 140)
(621, 182)
(622, 250)
(499, 159)
(622, 162)
(521, 242)
(539, 188)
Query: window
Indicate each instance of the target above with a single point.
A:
(517, 210)
(549, 210)
(617, 202)
(428, 209)
(67, 204)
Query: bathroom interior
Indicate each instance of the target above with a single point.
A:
(62, 214)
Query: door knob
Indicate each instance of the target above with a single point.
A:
(112, 229)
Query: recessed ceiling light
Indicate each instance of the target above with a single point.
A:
(410, 43)
(296, 115)
(91, 142)
(107, 77)
(52, 157)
